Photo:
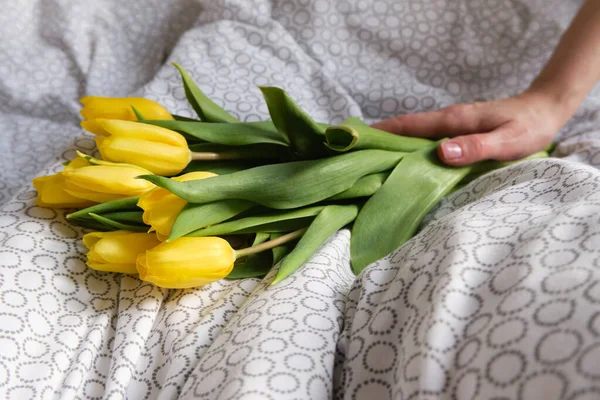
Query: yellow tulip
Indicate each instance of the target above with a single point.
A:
(117, 251)
(52, 189)
(162, 151)
(162, 207)
(186, 262)
(118, 108)
(103, 181)
(77, 163)
(52, 194)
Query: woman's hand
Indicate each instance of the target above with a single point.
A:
(502, 130)
(516, 127)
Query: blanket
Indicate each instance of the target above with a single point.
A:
(497, 295)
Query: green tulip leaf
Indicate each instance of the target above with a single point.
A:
(341, 138)
(281, 251)
(135, 217)
(198, 216)
(114, 225)
(253, 266)
(220, 167)
(260, 223)
(279, 226)
(261, 237)
(90, 224)
(364, 187)
(287, 185)
(229, 134)
(393, 214)
(353, 121)
(182, 118)
(251, 151)
(330, 219)
(305, 136)
(138, 114)
(361, 136)
(128, 204)
(206, 109)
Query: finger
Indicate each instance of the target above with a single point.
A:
(450, 121)
(506, 143)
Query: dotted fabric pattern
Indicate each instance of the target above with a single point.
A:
(496, 297)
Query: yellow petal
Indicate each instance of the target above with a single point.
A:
(199, 252)
(202, 261)
(125, 248)
(76, 163)
(97, 197)
(92, 126)
(109, 179)
(148, 199)
(52, 193)
(117, 251)
(187, 262)
(118, 268)
(162, 214)
(162, 237)
(90, 239)
(120, 108)
(159, 158)
(138, 130)
(162, 207)
(40, 181)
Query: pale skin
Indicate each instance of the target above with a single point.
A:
(518, 126)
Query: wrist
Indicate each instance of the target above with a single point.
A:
(562, 100)
(556, 104)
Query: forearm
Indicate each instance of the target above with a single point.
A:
(574, 67)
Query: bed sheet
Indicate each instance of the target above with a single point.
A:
(496, 296)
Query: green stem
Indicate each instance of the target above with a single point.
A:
(210, 156)
(270, 244)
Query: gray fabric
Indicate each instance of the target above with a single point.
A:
(497, 295)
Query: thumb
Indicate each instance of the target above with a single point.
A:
(505, 143)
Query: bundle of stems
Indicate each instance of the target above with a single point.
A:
(283, 186)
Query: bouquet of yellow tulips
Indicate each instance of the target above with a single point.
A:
(184, 202)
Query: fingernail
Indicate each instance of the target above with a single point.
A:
(451, 150)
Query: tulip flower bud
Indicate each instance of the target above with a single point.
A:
(104, 181)
(118, 108)
(117, 251)
(162, 151)
(52, 189)
(186, 262)
(52, 194)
